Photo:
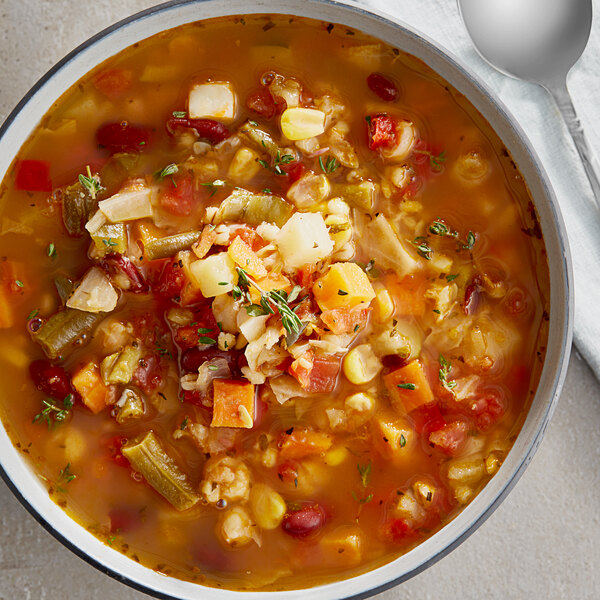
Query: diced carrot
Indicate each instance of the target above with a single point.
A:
(251, 238)
(346, 320)
(408, 387)
(241, 254)
(393, 437)
(233, 403)
(114, 82)
(408, 294)
(88, 382)
(206, 241)
(303, 442)
(274, 281)
(345, 285)
(316, 373)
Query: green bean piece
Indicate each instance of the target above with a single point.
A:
(57, 335)
(361, 195)
(77, 206)
(64, 287)
(149, 458)
(170, 245)
(111, 237)
(254, 209)
(260, 139)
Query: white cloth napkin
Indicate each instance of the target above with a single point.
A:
(537, 114)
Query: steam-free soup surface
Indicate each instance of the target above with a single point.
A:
(272, 302)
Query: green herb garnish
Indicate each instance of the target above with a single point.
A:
(179, 114)
(90, 182)
(51, 251)
(330, 164)
(407, 386)
(445, 366)
(52, 414)
(214, 186)
(365, 473)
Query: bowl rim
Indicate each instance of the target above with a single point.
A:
(566, 279)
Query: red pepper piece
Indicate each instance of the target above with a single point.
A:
(208, 129)
(381, 131)
(33, 176)
(123, 137)
(383, 87)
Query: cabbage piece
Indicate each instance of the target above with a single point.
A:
(94, 293)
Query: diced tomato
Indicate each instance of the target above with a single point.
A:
(51, 379)
(288, 472)
(33, 176)
(451, 437)
(178, 199)
(381, 131)
(208, 129)
(427, 418)
(192, 397)
(488, 410)
(124, 519)
(204, 325)
(383, 87)
(251, 238)
(148, 374)
(307, 275)
(114, 82)
(316, 373)
(345, 320)
(123, 137)
(262, 103)
(396, 530)
(171, 281)
(147, 327)
(293, 170)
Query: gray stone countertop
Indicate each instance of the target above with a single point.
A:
(541, 543)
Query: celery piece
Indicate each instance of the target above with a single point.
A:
(170, 245)
(111, 237)
(361, 195)
(77, 206)
(119, 367)
(58, 334)
(149, 458)
(260, 139)
(254, 209)
(130, 405)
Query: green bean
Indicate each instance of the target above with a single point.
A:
(57, 335)
(170, 245)
(254, 209)
(261, 139)
(361, 195)
(149, 458)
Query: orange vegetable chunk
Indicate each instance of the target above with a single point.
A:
(408, 294)
(233, 404)
(345, 285)
(88, 382)
(303, 442)
(243, 256)
(400, 384)
(345, 320)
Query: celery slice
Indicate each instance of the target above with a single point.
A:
(111, 237)
(119, 367)
(150, 459)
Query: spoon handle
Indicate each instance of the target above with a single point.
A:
(565, 105)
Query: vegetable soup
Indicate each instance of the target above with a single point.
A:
(272, 302)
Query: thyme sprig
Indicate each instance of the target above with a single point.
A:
(330, 164)
(278, 160)
(444, 372)
(90, 182)
(439, 228)
(52, 414)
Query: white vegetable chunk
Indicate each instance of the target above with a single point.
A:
(213, 100)
(304, 239)
(94, 293)
(128, 205)
(214, 275)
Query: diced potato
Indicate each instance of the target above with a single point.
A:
(215, 100)
(394, 437)
(309, 190)
(343, 545)
(88, 382)
(302, 123)
(233, 404)
(383, 305)
(215, 275)
(236, 527)
(94, 293)
(303, 240)
(244, 165)
(268, 506)
(408, 387)
(336, 456)
(361, 365)
(129, 204)
(345, 285)
(241, 253)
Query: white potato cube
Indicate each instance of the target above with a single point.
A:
(304, 239)
(214, 100)
(214, 275)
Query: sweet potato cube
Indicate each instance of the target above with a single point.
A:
(233, 404)
(393, 437)
(88, 382)
(408, 387)
(343, 546)
(243, 256)
(345, 285)
(304, 442)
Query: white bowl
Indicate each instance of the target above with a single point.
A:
(26, 485)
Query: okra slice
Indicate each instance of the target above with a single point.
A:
(150, 459)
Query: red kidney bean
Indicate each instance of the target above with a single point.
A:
(383, 87)
(117, 262)
(304, 522)
(471, 302)
(54, 381)
(208, 129)
(394, 361)
(148, 373)
(192, 358)
(123, 137)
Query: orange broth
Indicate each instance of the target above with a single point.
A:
(470, 313)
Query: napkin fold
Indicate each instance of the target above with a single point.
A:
(536, 112)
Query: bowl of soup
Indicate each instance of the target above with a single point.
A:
(275, 306)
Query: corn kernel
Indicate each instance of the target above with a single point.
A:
(267, 505)
(424, 492)
(336, 456)
(492, 464)
(361, 365)
(302, 123)
(360, 403)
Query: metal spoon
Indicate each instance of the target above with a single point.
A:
(538, 41)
